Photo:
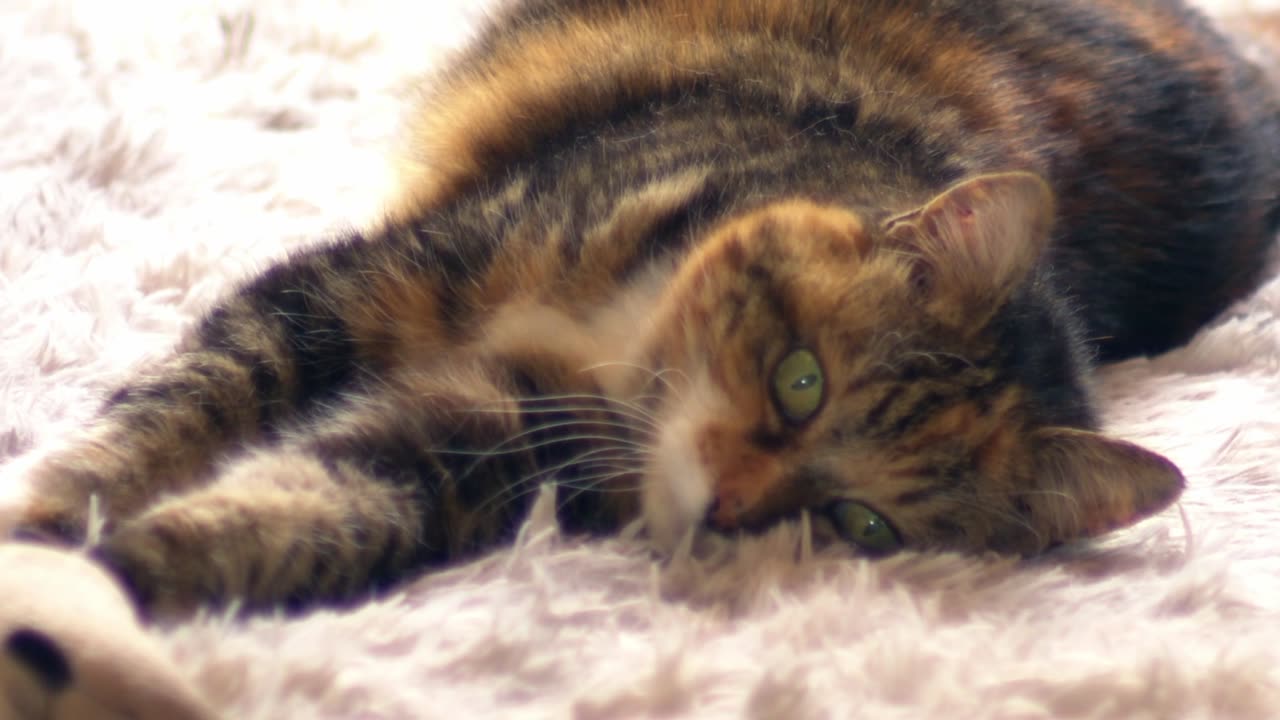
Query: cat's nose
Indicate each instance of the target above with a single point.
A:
(725, 513)
(742, 477)
(738, 497)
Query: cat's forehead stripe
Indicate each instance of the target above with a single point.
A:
(919, 495)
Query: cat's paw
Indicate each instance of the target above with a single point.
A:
(32, 512)
(71, 646)
(160, 566)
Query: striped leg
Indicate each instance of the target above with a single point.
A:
(258, 362)
(278, 527)
(392, 483)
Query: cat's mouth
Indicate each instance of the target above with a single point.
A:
(679, 498)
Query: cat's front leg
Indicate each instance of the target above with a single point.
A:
(154, 436)
(279, 527)
(409, 475)
(257, 362)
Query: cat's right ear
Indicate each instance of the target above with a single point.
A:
(979, 238)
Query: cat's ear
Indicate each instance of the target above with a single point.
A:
(981, 236)
(1087, 484)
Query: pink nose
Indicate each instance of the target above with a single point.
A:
(727, 509)
(742, 477)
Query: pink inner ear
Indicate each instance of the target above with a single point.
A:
(981, 236)
(956, 222)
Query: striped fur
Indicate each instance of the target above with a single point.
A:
(619, 216)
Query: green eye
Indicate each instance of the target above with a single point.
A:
(798, 386)
(863, 527)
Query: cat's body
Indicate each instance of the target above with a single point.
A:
(723, 260)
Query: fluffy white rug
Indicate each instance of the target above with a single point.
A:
(152, 151)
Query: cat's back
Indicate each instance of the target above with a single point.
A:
(1160, 141)
(1040, 84)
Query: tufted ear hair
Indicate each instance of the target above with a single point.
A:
(980, 237)
(1087, 484)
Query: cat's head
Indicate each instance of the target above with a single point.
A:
(913, 382)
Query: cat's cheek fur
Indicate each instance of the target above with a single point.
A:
(678, 489)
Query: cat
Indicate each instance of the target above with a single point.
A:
(710, 264)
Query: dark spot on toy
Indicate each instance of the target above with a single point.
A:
(42, 656)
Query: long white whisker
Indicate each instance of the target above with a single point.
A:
(645, 424)
(595, 487)
(514, 489)
(557, 403)
(619, 443)
(594, 483)
(659, 375)
(498, 450)
(990, 509)
(544, 427)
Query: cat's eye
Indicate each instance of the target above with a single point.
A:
(798, 386)
(864, 527)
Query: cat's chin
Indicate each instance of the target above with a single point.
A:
(677, 489)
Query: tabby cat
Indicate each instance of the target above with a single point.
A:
(712, 264)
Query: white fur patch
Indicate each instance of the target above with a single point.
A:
(677, 489)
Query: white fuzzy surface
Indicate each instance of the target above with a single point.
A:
(153, 151)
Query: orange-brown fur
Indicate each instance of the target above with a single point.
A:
(620, 220)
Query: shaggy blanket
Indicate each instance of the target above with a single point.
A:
(152, 152)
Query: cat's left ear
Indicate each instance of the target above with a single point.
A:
(980, 237)
(1087, 484)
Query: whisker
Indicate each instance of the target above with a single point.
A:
(659, 375)
(621, 443)
(614, 431)
(555, 425)
(1072, 503)
(557, 403)
(579, 460)
(517, 488)
(646, 424)
(933, 357)
(497, 450)
(595, 487)
(993, 510)
(604, 468)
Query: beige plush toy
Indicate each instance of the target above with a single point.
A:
(73, 648)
